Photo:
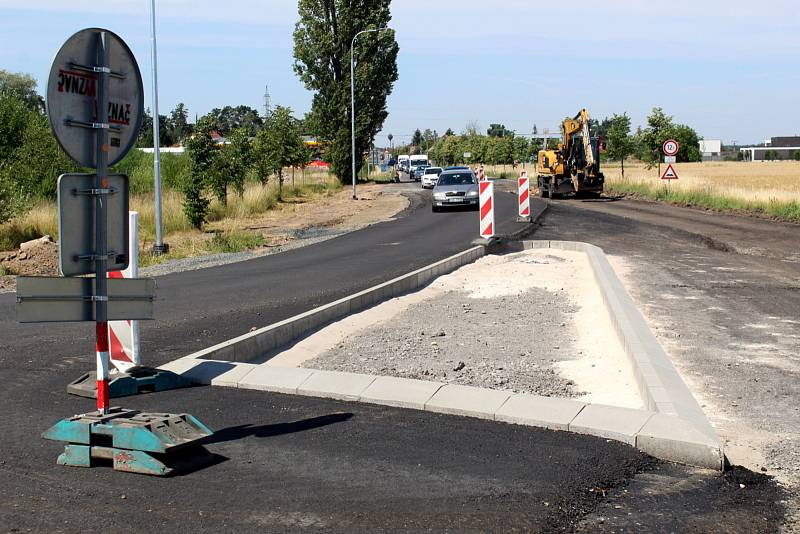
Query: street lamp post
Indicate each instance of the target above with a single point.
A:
(159, 247)
(353, 102)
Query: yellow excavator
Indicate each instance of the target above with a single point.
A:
(573, 167)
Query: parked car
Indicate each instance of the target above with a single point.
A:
(456, 188)
(430, 177)
(419, 171)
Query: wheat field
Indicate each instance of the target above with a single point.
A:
(761, 181)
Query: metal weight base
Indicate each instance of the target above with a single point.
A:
(137, 380)
(158, 444)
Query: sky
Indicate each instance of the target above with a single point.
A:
(728, 68)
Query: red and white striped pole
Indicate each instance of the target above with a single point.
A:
(524, 197)
(102, 367)
(486, 200)
(124, 335)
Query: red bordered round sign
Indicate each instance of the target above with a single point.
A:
(671, 147)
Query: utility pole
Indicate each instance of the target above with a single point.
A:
(353, 102)
(159, 247)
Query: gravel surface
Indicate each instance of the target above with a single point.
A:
(456, 338)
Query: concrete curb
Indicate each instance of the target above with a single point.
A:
(662, 436)
(252, 345)
(682, 432)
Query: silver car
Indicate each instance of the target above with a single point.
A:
(456, 188)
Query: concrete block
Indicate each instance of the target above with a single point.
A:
(335, 385)
(283, 334)
(264, 340)
(267, 377)
(400, 392)
(218, 373)
(181, 365)
(467, 400)
(247, 349)
(612, 422)
(224, 351)
(533, 410)
(676, 440)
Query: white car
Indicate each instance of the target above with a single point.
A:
(431, 177)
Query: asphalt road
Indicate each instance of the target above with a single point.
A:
(286, 463)
(196, 309)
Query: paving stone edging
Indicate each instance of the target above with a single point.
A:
(659, 435)
(662, 389)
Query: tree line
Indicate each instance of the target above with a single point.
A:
(505, 147)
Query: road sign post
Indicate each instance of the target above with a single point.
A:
(95, 106)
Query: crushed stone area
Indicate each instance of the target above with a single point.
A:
(530, 322)
(476, 342)
(34, 258)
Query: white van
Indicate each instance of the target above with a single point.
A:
(420, 160)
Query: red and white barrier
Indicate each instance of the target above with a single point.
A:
(524, 196)
(481, 174)
(486, 200)
(123, 336)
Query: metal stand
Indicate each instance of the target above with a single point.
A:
(135, 381)
(160, 250)
(136, 442)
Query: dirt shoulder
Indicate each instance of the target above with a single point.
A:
(296, 222)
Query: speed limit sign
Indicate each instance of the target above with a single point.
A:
(671, 147)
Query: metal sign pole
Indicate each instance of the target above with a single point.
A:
(159, 247)
(101, 254)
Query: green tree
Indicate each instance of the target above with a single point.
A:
(795, 155)
(10, 199)
(37, 161)
(22, 87)
(417, 139)
(237, 157)
(620, 144)
(660, 128)
(521, 147)
(322, 50)
(652, 138)
(279, 145)
(449, 132)
(179, 123)
(14, 117)
(496, 130)
(202, 153)
(230, 118)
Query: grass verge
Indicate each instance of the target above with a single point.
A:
(708, 198)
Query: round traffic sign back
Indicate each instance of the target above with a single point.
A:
(671, 147)
(72, 97)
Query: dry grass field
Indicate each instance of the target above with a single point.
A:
(228, 219)
(763, 181)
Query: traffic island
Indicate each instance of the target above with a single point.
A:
(663, 419)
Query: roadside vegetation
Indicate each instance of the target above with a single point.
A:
(771, 189)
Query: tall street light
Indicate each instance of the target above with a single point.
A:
(353, 101)
(159, 247)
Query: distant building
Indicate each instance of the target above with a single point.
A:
(785, 142)
(711, 149)
(774, 148)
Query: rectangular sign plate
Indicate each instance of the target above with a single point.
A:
(42, 299)
(76, 225)
(670, 159)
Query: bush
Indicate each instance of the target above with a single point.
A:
(235, 242)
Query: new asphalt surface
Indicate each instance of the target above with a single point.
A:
(284, 463)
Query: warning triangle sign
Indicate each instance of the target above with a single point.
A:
(670, 173)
